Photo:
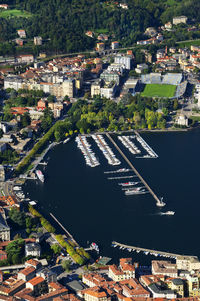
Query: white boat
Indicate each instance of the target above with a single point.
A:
(66, 140)
(128, 184)
(168, 213)
(40, 175)
(17, 188)
(94, 246)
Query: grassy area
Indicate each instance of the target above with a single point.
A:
(195, 118)
(188, 44)
(10, 13)
(156, 90)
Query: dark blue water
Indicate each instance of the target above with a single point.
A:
(93, 208)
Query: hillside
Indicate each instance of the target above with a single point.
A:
(63, 23)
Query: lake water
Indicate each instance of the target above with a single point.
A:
(94, 208)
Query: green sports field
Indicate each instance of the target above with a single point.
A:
(156, 90)
(4, 13)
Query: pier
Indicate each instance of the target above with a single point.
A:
(64, 229)
(146, 146)
(39, 159)
(86, 150)
(151, 252)
(158, 201)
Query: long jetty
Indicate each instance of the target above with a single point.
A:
(64, 229)
(158, 202)
(152, 252)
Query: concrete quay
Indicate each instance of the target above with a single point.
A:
(151, 252)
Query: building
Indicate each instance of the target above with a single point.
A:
(37, 41)
(25, 58)
(162, 267)
(187, 263)
(33, 263)
(151, 31)
(126, 270)
(21, 33)
(68, 88)
(158, 291)
(141, 67)
(95, 295)
(123, 60)
(41, 105)
(48, 275)
(93, 279)
(10, 287)
(4, 6)
(110, 76)
(179, 20)
(100, 46)
(2, 171)
(19, 42)
(26, 274)
(89, 34)
(133, 289)
(3, 255)
(32, 249)
(168, 26)
(177, 285)
(115, 45)
(96, 88)
(109, 91)
(35, 284)
(193, 285)
(182, 120)
(4, 228)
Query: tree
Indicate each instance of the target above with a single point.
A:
(25, 120)
(47, 119)
(56, 248)
(66, 265)
(51, 98)
(15, 251)
(17, 217)
(175, 105)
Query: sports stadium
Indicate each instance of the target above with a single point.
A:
(170, 85)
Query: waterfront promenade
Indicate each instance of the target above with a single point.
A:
(158, 201)
(152, 252)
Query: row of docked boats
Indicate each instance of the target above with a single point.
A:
(147, 252)
(106, 150)
(126, 141)
(88, 154)
(149, 150)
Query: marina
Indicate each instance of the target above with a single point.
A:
(134, 212)
(149, 251)
(107, 152)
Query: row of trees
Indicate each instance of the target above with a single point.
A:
(79, 255)
(43, 220)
